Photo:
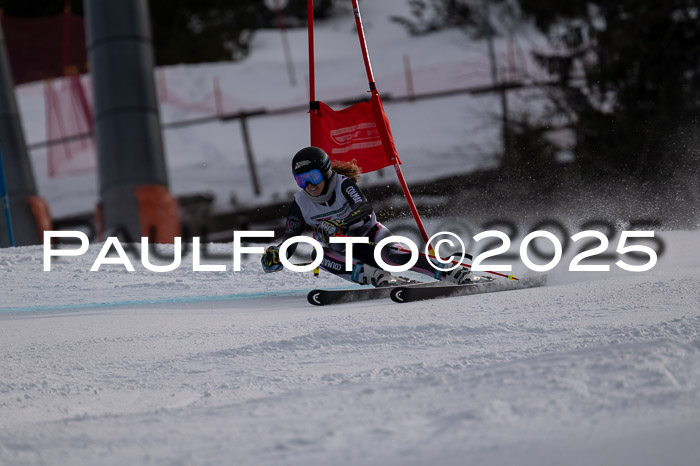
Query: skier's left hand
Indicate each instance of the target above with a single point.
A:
(328, 228)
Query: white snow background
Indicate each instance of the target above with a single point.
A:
(113, 367)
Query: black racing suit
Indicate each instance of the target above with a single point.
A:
(361, 210)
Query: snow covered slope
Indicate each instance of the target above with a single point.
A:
(112, 367)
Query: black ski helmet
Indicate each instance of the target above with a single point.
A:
(309, 158)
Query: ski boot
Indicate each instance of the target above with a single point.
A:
(373, 276)
(460, 276)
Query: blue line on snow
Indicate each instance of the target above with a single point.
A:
(183, 299)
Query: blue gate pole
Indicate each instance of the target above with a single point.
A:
(3, 194)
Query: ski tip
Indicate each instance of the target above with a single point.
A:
(397, 295)
(314, 297)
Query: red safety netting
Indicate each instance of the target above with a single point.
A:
(68, 114)
(208, 105)
(215, 102)
(48, 47)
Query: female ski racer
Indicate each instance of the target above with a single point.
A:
(331, 203)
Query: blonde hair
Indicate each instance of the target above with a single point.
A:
(349, 169)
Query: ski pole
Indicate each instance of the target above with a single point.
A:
(468, 256)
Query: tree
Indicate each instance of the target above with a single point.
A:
(193, 31)
(629, 72)
(628, 75)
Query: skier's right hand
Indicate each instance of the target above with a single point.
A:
(271, 260)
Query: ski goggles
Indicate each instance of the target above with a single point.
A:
(314, 177)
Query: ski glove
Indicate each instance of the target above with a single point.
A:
(271, 260)
(328, 228)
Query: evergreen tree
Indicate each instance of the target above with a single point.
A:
(193, 31)
(628, 75)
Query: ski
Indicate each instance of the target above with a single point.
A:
(326, 297)
(403, 294)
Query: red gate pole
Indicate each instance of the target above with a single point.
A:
(312, 78)
(313, 104)
(285, 44)
(373, 89)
